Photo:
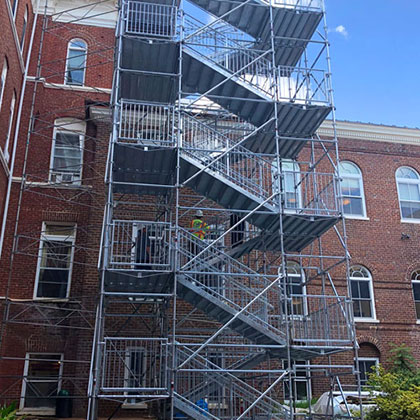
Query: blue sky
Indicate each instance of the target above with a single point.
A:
(375, 48)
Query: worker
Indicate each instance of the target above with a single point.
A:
(199, 229)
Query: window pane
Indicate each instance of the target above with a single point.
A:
(404, 191)
(67, 139)
(418, 310)
(349, 168)
(353, 206)
(357, 309)
(364, 289)
(406, 173)
(53, 283)
(355, 289)
(410, 210)
(351, 187)
(61, 230)
(67, 153)
(366, 309)
(416, 290)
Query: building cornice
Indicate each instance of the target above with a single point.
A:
(82, 12)
(371, 132)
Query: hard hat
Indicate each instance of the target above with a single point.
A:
(199, 213)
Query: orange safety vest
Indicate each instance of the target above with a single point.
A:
(199, 228)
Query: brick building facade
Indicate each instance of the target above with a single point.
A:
(66, 205)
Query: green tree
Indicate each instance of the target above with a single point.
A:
(399, 388)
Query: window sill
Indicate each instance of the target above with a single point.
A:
(413, 221)
(367, 320)
(135, 406)
(51, 300)
(418, 322)
(36, 411)
(356, 217)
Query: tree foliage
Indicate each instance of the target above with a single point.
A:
(8, 412)
(399, 387)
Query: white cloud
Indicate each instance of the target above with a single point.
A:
(340, 29)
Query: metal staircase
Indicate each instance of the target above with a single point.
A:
(210, 116)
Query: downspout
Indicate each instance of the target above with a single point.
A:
(18, 119)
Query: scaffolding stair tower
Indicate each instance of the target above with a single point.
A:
(220, 108)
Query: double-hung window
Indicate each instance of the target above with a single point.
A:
(295, 291)
(415, 281)
(42, 381)
(3, 78)
(67, 151)
(24, 27)
(290, 184)
(55, 261)
(408, 185)
(353, 196)
(76, 62)
(9, 128)
(362, 293)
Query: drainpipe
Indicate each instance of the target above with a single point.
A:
(18, 119)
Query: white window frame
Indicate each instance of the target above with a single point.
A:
(71, 126)
(307, 381)
(69, 48)
(372, 296)
(56, 238)
(14, 7)
(408, 181)
(9, 128)
(414, 281)
(368, 359)
(301, 276)
(24, 28)
(3, 79)
(128, 352)
(358, 177)
(33, 355)
(274, 182)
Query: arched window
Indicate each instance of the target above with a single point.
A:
(362, 293)
(3, 78)
(352, 190)
(67, 151)
(291, 183)
(76, 62)
(415, 281)
(408, 185)
(24, 27)
(14, 6)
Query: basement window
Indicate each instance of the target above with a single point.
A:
(366, 367)
(55, 262)
(41, 383)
